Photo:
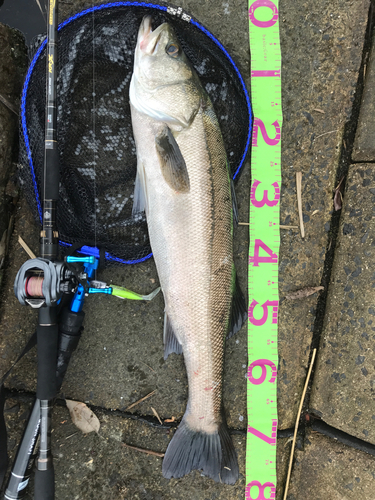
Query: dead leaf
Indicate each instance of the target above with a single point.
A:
(337, 200)
(83, 417)
(304, 292)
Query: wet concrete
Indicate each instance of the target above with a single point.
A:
(120, 357)
(364, 147)
(328, 469)
(343, 391)
(98, 466)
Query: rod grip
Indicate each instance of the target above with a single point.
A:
(47, 338)
(44, 485)
(70, 327)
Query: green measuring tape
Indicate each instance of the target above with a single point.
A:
(264, 250)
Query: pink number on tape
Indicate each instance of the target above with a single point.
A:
(256, 259)
(261, 492)
(263, 3)
(263, 363)
(264, 200)
(259, 124)
(259, 322)
(269, 440)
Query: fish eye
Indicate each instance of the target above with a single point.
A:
(173, 50)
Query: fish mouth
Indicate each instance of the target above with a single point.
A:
(148, 40)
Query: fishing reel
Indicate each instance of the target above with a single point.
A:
(40, 282)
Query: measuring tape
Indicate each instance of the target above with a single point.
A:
(264, 250)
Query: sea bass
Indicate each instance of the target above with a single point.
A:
(183, 183)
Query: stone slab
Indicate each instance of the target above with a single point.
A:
(364, 147)
(99, 466)
(344, 383)
(321, 54)
(120, 356)
(326, 469)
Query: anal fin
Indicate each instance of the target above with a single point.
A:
(171, 344)
(238, 312)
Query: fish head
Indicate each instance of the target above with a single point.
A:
(164, 84)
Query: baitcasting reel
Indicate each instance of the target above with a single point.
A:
(40, 282)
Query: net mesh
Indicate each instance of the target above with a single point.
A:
(96, 146)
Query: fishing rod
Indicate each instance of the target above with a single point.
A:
(47, 329)
(41, 283)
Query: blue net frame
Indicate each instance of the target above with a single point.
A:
(25, 132)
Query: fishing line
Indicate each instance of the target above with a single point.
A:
(93, 127)
(263, 250)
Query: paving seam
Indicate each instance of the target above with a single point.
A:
(341, 436)
(29, 397)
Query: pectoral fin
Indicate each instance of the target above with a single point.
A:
(172, 162)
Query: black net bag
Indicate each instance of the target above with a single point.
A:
(96, 145)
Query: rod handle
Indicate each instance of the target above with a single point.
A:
(44, 485)
(47, 338)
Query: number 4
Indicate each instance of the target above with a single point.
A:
(256, 259)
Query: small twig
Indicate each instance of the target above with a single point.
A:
(142, 450)
(156, 415)
(147, 366)
(27, 249)
(9, 105)
(304, 292)
(319, 110)
(68, 437)
(140, 400)
(325, 133)
(168, 420)
(40, 7)
(299, 201)
(296, 426)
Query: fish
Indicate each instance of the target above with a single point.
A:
(183, 184)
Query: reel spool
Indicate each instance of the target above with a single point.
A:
(41, 282)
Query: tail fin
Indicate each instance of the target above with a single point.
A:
(213, 453)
